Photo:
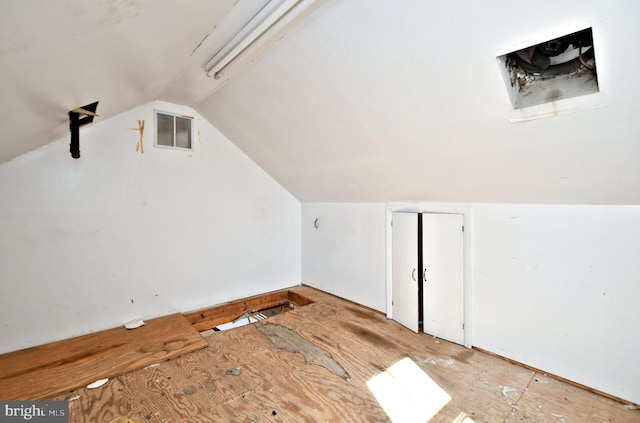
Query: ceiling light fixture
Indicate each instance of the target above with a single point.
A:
(273, 17)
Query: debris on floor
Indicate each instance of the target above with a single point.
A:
(507, 389)
(234, 371)
(134, 324)
(434, 362)
(97, 383)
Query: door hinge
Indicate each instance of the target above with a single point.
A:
(462, 228)
(391, 302)
(463, 326)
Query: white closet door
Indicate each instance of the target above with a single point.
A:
(405, 270)
(442, 247)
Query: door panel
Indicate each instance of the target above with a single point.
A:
(442, 243)
(404, 263)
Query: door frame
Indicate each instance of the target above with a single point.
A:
(467, 212)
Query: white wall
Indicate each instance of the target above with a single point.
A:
(345, 255)
(92, 243)
(554, 287)
(557, 287)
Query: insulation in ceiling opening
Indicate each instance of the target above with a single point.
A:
(553, 70)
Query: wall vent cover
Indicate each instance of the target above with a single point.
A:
(556, 69)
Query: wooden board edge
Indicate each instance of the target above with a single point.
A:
(211, 317)
(189, 337)
(196, 345)
(298, 299)
(373, 310)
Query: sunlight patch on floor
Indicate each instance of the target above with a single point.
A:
(463, 418)
(407, 394)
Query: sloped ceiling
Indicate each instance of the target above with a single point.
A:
(362, 101)
(57, 55)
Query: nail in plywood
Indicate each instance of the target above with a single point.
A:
(44, 371)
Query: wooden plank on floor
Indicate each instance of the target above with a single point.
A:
(279, 383)
(44, 371)
(211, 317)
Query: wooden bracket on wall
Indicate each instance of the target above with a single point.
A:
(140, 145)
(79, 117)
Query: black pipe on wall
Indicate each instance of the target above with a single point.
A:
(79, 117)
(74, 126)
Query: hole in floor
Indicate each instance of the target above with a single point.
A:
(245, 311)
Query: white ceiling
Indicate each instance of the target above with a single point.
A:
(56, 55)
(382, 100)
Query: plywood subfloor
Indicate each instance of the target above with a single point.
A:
(40, 372)
(288, 374)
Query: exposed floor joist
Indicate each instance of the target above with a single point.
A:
(213, 316)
